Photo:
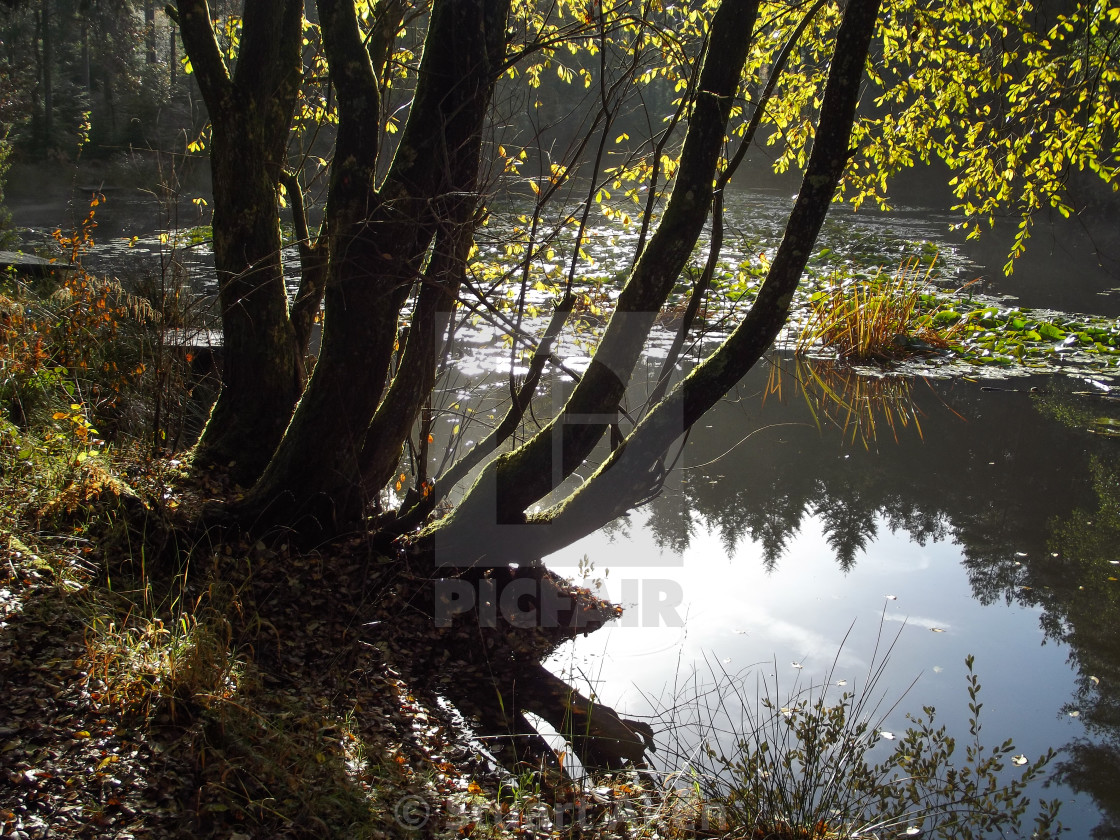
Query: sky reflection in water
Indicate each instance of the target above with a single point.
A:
(795, 538)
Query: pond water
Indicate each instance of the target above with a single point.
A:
(793, 547)
(788, 547)
(788, 551)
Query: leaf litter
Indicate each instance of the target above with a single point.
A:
(330, 714)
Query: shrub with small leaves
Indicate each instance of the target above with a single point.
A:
(805, 768)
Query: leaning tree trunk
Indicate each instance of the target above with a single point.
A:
(379, 239)
(413, 384)
(515, 480)
(599, 735)
(634, 470)
(251, 113)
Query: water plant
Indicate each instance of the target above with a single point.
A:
(876, 318)
(885, 318)
(808, 764)
(986, 332)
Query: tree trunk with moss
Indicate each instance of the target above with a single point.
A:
(380, 238)
(490, 526)
(251, 112)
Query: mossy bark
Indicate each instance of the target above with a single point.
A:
(513, 481)
(379, 240)
(634, 470)
(251, 112)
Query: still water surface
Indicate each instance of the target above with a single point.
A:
(995, 532)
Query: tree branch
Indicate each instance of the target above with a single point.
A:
(388, 18)
(416, 375)
(313, 256)
(609, 491)
(519, 478)
(355, 85)
(716, 241)
(201, 44)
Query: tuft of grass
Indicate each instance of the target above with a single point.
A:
(874, 319)
(144, 666)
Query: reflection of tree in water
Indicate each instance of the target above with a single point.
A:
(849, 510)
(1079, 592)
(673, 527)
(825, 445)
(771, 521)
(1003, 471)
(977, 473)
(809, 463)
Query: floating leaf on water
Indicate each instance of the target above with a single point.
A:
(937, 629)
(1095, 680)
(1019, 760)
(841, 682)
(887, 735)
